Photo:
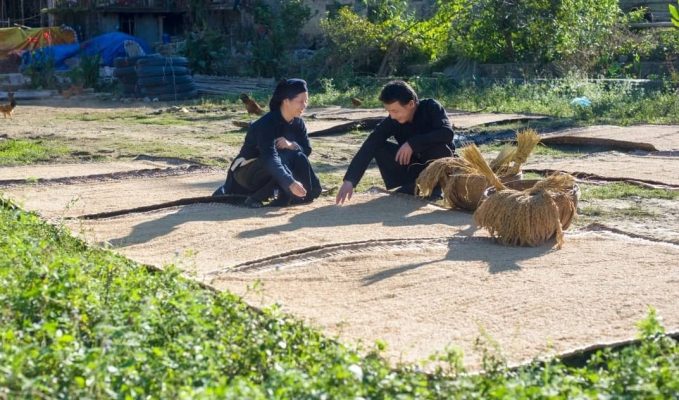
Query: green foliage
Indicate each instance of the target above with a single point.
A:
(78, 322)
(86, 73)
(205, 51)
(674, 11)
(386, 40)
(626, 190)
(278, 29)
(533, 30)
(90, 68)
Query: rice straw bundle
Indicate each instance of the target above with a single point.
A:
(500, 165)
(524, 217)
(525, 143)
(464, 190)
(463, 184)
(438, 173)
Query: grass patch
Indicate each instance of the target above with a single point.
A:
(632, 211)
(21, 152)
(540, 150)
(130, 117)
(621, 190)
(620, 103)
(78, 322)
(333, 180)
(195, 114)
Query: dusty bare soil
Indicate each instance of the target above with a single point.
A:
(384, 267)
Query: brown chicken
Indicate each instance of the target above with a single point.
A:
(8, 109)
(250, 105)
(356, 102)
(73, 90)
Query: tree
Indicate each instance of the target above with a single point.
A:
(531, 30)
(387, 37)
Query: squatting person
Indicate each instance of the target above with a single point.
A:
(274, 156)
(422, 132)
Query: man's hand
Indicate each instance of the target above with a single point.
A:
(297, 189)
(284, 144)
(404, 154)
(345, 192)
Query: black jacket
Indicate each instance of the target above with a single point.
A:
(430, 127)
(260, 142)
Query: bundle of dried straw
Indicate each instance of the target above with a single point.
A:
(527, 217)
(461, 182)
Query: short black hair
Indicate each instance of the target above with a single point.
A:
(398, 91)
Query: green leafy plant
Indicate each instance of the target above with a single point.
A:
(86, 73)
(82, 322)
(278, 27)
(674, 11)
(388, 39)
(536, 31)
(206, 51)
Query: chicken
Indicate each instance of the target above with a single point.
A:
(73, 90)
(356, 102)
(8, 109)
(250, 105)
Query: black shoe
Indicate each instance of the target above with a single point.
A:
(281, 201)
(252, 203)
(406, 189)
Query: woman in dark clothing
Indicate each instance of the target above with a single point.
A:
(274, 154)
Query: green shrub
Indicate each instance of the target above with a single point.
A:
(206, 52)
(86, 73)
(389, 39)
(78, 322)
(539, 31)
(278, 29)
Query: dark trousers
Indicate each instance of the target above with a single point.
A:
(404, 176)
(255, 181)
(298, 165)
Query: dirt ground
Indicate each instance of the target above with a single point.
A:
(386, 266)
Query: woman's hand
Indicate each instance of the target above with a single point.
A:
(284, 144)
(345, 192)
(297, 189)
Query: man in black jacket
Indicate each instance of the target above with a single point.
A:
(422, 132)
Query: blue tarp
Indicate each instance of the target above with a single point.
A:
(108, 46)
